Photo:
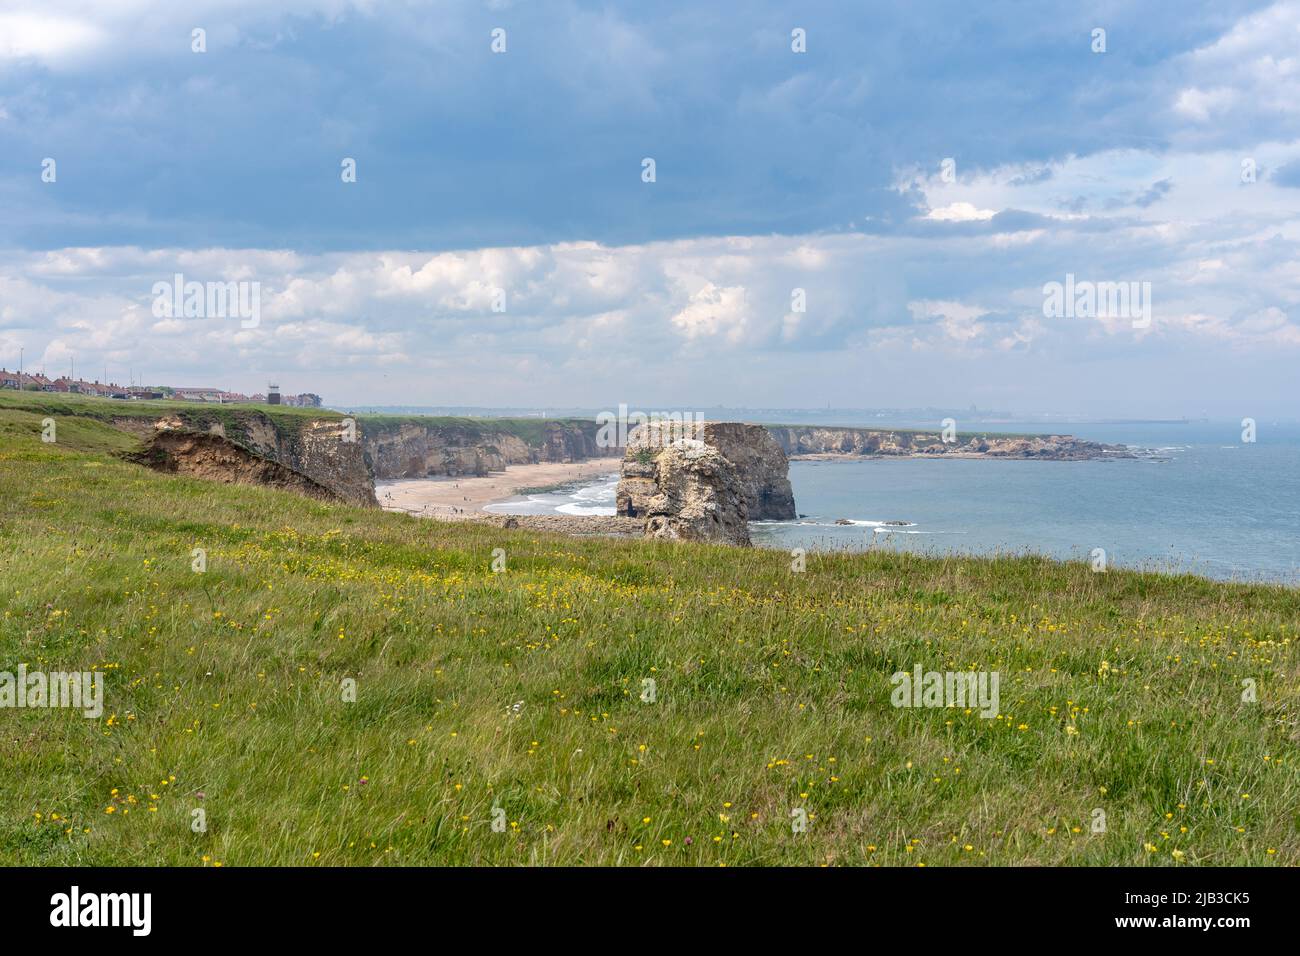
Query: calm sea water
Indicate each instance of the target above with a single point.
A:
(1214, 505)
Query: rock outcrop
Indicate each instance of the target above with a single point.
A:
(816, 441)
(760, 465)
(697, 497)
(703, 481)
(325, 451)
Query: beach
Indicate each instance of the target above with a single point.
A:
(453, 497)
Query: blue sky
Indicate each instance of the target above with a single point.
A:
(522, 172)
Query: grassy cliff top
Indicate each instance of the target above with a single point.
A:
(106, 409)
(531, 430)
(527, 690)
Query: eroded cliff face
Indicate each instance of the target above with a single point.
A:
(325, 452)
(760, 465)
(812, 440)
(214, 458)
(412, 449)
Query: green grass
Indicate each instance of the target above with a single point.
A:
(522, 690)
(107, 409)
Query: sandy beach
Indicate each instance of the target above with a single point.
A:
(451, 497)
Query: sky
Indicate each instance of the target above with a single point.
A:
(856, 205)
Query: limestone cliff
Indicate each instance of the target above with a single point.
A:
(324, 451)
(415, 448)
(817, 441)
(697, 494)
(213, 458)
(759, 463)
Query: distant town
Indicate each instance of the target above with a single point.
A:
(25, 381)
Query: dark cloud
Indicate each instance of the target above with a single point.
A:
(1153, 194)
(457, 147)
(1288, 175)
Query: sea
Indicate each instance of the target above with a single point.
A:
(1199, 500)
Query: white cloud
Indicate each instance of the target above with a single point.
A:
(1201, 105)
(1254, 68)
(959, 322)
(960, 212)
(715, 311)
(579, 314)
(52, 39)
(69, 33)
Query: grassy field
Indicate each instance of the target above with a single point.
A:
(104, 410)
(522, 690)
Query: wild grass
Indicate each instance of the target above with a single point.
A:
(523, 690)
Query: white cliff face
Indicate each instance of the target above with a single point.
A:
(415, 449)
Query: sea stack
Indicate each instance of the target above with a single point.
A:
(704, 480)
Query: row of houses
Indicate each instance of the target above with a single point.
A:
(40, 383)
(219, 396)
(25, 381)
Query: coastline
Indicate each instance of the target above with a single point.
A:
(460, 497)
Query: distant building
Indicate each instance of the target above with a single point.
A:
(25, 381)
(66, 384)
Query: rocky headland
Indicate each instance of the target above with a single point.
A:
(812, 441)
